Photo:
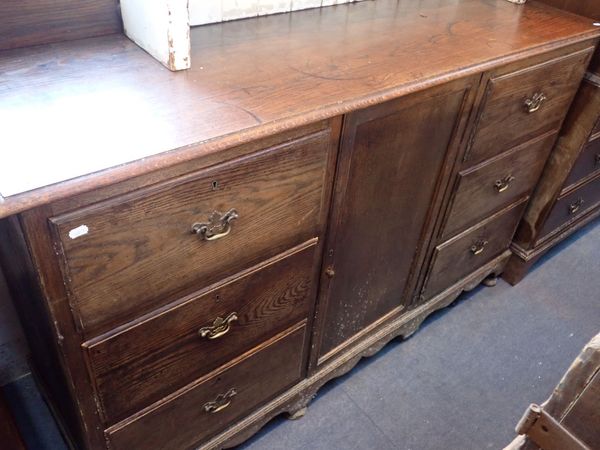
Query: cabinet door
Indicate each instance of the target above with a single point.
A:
(393, 162)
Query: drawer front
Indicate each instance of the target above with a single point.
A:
(126, 256)
(465, 253)
(525, 104)
(212, 404)
(572, 206)
(143, 364)
(496, 183)
(587, 163)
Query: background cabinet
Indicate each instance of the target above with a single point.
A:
(568, 194)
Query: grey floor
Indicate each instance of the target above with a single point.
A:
(461, 382)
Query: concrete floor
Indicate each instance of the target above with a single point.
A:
(461, 382)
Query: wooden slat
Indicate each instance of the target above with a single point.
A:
(584, 416)
(546, 432)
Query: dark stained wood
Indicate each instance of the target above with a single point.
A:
(10, 437)
(43, 335)
(245, 83)
(476, 195)
(588, 8)
(456, 258)
(182, 422)
(391, 160)
(572, 206)
(570, 165)
(33, 22)
(219, 153)
(575, 133)
(66, 384)
(278, 194)
(46, 267)
(163, 353)
(587, 164)
(260, 115)
(505, 120)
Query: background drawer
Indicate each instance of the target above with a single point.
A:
(466, 252)
(572, 206)
(597, 127)
(479, 190)
(154, 358)
(587, 163)
(138, 250)
(183, 422)
(504, 120)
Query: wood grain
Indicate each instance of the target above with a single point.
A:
(148, 361)
(578, 125)
(181, 422)
(475, 193)
(146, 236)
(249, 79)
(391, 158)
(454, 259)
(505, 122)
(34, 22)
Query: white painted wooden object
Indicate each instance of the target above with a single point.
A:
(211, 11)
(161, 27)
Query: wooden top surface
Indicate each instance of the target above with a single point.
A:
(77, 108)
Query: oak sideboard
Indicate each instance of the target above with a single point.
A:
(204, 250)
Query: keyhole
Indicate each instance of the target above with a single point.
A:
(217, 298)
(215, 185)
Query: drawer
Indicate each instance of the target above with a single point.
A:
(596, 128)
(212, 404)
(485, 188)
(126, 256)
(572, 206)
(465, 253)
(586, 164)
(142, 364)
(525, 104)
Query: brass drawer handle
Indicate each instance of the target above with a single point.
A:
(478, 247)
(504, 183)
(576, 206)
(220, 327)
(218, 225)
(534, 103)
(221, 402)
